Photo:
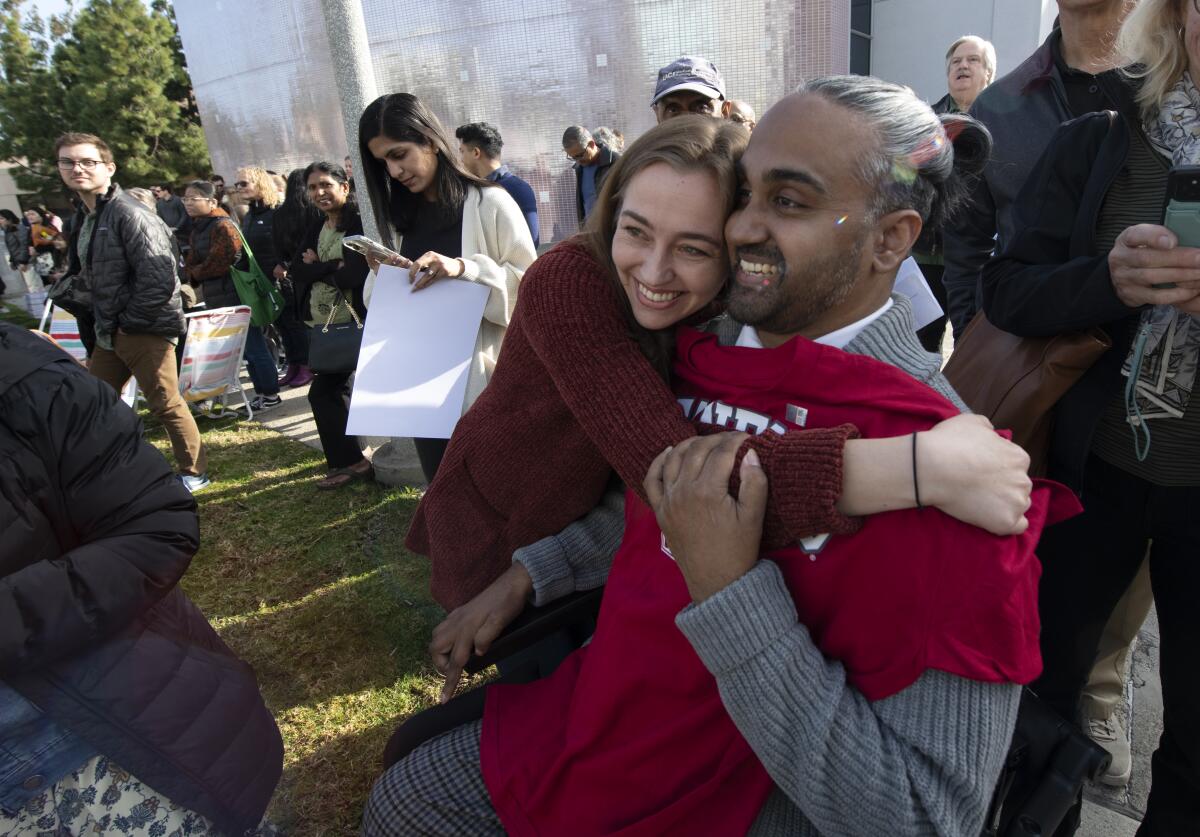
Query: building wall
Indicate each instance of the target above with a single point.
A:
(263, 74)
(8, 189)
(910, 37)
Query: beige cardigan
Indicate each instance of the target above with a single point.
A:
(496, 250)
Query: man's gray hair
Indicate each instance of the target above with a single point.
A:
(576, 135)
(605, 136)
(921, 161)
(985, 46)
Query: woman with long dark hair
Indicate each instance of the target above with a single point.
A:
(328, 281)
(292, 220)
(445, 222)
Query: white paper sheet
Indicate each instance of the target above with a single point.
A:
(416, 354)
(910, 281)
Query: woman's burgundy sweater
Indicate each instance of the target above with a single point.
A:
(571, 400)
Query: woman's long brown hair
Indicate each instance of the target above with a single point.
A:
(687, 144)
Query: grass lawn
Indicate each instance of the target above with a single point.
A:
(317, 592)
(13, 313)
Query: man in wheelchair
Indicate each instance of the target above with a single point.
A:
(860, 684)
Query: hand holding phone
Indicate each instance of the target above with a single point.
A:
(375, 252)
(1181, 215)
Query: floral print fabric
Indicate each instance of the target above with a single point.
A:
(102, 798)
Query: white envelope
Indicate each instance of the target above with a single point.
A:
(910, 282)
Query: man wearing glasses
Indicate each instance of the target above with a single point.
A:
(123, 254)
(592, 162)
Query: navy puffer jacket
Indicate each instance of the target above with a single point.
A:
(93, 629)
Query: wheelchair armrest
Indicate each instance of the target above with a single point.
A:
(536, 623)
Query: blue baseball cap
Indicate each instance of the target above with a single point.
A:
(688, 73)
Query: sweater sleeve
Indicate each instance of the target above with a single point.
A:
(580, 556)
(922, 761)
(631, 415)
(501, 270)
(1034, 288)
(224, 247)
(134, 522)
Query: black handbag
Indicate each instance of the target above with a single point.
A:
(333, 347)
(72, 294)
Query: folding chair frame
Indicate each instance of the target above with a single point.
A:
(235, 383)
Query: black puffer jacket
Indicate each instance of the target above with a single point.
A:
(133, 261)
(259, 227)
(93, 629)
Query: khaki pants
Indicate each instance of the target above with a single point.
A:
(1106, 684)
(150, 359)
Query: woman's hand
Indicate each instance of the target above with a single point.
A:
(436, 266)
(473, 627)
(309, 256)
(1149, 268)
(713, 536)
(375, 264)
(971, 473)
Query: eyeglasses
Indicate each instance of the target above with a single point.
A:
(583, 152)
(67, 164)
(197, 199)
(241, 184)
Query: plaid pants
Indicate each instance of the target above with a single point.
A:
(437, 789)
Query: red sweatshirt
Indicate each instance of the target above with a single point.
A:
(572, 399)
(629, 735)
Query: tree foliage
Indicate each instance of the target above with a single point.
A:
(115, 69)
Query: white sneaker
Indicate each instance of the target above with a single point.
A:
(1110, 733)
(195, 482)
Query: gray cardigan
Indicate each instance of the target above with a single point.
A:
(923, 761)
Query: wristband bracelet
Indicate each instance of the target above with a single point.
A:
(916, 485)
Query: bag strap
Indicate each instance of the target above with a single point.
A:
(245, 244)
(333, 309)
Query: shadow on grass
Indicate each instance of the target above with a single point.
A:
(273, 548)
(354, 636)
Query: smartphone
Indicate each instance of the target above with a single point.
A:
(367, 247)
(1181, 215)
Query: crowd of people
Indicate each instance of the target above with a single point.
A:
(825, 582)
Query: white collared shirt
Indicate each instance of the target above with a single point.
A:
(748, 337)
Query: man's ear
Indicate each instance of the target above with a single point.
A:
(897, 232)
(725, 109)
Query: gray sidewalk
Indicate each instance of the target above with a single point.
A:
(294, 419)
(1107, 812)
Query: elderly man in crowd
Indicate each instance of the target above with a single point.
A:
(970, 67)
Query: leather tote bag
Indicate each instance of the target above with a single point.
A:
(1016, 381)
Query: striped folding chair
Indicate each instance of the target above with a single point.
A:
(64, 329)
(212, 355)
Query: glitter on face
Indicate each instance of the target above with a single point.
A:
(841, 220)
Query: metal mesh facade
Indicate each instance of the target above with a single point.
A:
(263, 75)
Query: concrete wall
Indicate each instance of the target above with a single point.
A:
(8, 189)
(263, 77)
(910, 37)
